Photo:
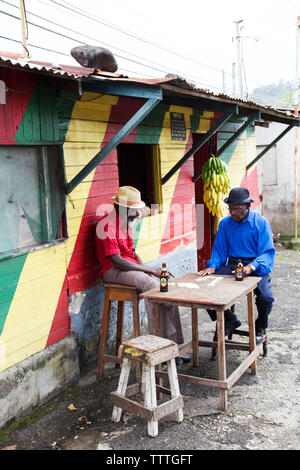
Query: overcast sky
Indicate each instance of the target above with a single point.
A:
(192, 38)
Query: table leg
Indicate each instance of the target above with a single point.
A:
(195, 337)
(251, 323)
(156, 332)
(155, 314)
(221, 358)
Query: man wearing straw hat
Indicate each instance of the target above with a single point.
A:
(244, 235)
(119, 263)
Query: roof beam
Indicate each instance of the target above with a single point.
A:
(253, 116)
(291, 120)
(197, 146)
(201, 103)
(118, 137)
(291, 126)
(123, 88)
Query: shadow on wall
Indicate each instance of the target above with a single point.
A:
(85, 310)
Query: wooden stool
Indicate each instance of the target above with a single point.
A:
(120, 293)
(150, 351)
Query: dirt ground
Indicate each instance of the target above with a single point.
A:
(263, 410)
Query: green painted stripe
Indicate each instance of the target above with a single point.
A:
(154, 123)
(195, 119)
(46, 118)
(10, 271)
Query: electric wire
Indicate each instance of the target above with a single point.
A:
(81, 12)
(84, 35)
(164, 71)
(97, 19)
(258, 99)
(203, 82)
(191, 76)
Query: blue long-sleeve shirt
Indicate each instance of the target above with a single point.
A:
(252, 238)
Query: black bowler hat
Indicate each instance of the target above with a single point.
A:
(238, 196)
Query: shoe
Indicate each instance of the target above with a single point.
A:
(181, 359)
(178, 361)
(186, 358)
(260, 333)
(232, 325)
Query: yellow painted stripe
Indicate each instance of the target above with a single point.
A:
(31, 313)
(237, 163)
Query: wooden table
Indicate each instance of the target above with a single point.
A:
(218, 293)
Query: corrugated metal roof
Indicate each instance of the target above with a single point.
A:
(67, 71)
(172, 84)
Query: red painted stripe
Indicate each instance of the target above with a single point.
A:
(60, 326)
(20, 87)
(79, 275)
(179, 223)
(250, 181)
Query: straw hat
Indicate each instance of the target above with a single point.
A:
(127, 196)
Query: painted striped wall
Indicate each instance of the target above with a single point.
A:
(34, 287)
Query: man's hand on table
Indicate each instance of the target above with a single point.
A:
(206, 272)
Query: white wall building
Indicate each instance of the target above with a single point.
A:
(276, 178)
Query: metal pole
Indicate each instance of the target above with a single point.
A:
(296, 132)
(224, 81)
(238, 39)
(234, 79)
(24, 29)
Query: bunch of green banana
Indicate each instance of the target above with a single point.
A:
(216, 185)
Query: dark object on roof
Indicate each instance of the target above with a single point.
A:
(173, 75)
(95, 57)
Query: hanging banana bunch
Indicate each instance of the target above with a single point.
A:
(216, 185)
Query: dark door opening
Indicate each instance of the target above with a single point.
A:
(135, 162)
(205, 225)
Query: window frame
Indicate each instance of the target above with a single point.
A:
(155, 175)
(44, 200)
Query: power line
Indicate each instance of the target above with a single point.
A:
(198, 79)
(33, 45)
(84, 35)
(191, 76)
(164, 71)
(97, 19)
(258, 99)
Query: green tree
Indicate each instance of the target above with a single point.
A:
(280, 95)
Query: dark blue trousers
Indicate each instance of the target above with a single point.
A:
(263, 298)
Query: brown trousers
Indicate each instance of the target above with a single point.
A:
(170, 324)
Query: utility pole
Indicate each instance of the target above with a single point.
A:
(238, 39)
(296, 131)
(24, 29)
(224, 81)
(234, 79)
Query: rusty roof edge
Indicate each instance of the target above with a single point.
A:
(208, 94)
(171, 85)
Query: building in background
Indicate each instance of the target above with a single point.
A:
(276, 178)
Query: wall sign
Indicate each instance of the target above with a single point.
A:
(2, 92)
(178, 126)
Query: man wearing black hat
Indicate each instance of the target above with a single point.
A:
(244, 235)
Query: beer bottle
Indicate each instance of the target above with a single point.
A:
(239, 274)
(164, 277)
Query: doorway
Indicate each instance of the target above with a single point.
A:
(204, 224)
